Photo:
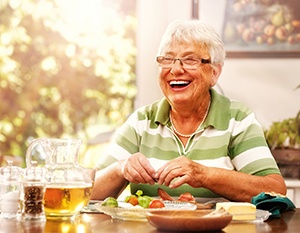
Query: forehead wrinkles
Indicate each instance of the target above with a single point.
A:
(194, 47)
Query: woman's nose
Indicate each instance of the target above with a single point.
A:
(177, 67)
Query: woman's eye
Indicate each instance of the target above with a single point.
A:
(190, 60)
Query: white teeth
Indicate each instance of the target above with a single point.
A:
(179, 82)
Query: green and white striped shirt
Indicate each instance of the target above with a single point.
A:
(231, 138)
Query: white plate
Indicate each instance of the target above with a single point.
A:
(137, 213)
(90, 208)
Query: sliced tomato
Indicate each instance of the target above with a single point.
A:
(164, 195)
(186, 197)
(156, 203)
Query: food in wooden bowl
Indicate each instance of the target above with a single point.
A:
(186, 220)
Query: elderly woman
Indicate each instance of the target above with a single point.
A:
(194, 139)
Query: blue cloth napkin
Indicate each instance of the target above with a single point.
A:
(273, 202)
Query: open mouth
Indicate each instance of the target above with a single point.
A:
(179, 84)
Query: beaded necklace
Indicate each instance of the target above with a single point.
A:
(187, 135)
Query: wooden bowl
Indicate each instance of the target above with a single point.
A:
(188, 220)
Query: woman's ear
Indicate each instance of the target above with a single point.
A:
(216, 71)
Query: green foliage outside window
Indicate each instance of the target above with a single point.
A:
(67, 69)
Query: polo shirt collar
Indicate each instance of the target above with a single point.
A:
(218, 115)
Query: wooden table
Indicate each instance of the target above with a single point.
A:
(289, 223)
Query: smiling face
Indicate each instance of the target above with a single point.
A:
(186, 87)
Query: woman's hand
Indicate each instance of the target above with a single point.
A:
(137, 169)
(180, 171)
(230, 184)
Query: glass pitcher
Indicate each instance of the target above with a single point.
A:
(68, 185)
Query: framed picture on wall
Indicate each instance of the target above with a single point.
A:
(262, 28)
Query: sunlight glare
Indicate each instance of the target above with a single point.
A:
(84, 21)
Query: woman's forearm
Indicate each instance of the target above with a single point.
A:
(108, 183)
(238, 186)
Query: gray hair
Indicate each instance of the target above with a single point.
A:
(194, 31)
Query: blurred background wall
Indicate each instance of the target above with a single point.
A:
(267, 86)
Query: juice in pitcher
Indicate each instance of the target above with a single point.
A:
(65, 201)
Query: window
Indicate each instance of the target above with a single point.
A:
(67, 69)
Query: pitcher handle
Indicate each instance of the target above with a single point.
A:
(31, 146)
